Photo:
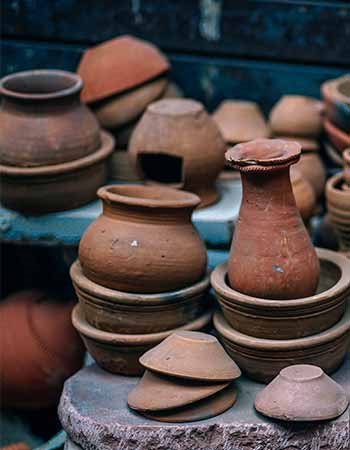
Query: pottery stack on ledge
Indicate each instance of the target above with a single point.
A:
(53, 154)
(141, 274)
(282, 302)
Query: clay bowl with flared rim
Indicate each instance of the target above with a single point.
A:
(336, 96)
(288, 319)
(121, 312)
(262, 359)
(120, 353)
(337, 137)
(204, 409)
(156, 392)
(302, 393)
(193, 356)
(56, 187)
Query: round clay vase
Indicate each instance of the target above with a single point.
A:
(42, 121)
(304, 194)
(177, 143)
(144, 241)
(311, 167)
(271, 255)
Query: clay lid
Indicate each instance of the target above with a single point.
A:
(118, 65)
(307, 145)
(192, 355)
(156, 392)
(176, 107)
(263, 155)
(302, 392)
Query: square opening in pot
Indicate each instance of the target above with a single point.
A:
(162, 168)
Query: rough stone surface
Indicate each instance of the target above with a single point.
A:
(94, 413)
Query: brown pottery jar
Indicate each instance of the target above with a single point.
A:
(271, 256)
(144, 241)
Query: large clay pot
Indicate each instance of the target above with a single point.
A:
(271, 256)
(42, 121)
(311, 167)
(304, 194)
(144, 241)
(177, 143)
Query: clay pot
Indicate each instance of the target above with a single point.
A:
(271, 256)
(296, 115)
(333, 154)
(336, 95)
(177, 143)
(39, 350)
(338, 138)
(173, 91)
(312, 169)
(346, 159)
(42, 121)
(263, 359)
(186, 355)
(120, 353)
(121, 312)
(307, 144)
(302, 392)
(146, 240)
(120, 168)
(118, 65)
(304, 194)
(39, 190)
(288, 319)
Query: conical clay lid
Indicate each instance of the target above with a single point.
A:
(192, 355)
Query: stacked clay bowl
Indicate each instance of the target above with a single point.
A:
(188, 377)
(53, 153)
(141, 274)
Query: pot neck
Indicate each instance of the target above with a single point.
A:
(40, 105)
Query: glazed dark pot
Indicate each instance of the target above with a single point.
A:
(42, 120)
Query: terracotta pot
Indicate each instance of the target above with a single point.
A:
(177, 143)
(307, 144)
(118, 65)
(346, 159)
(173, 91)
(338, 138)
(144, 241)
(120, 353)
(296, 115)
(288, 319)
(333, 154)
(42, 121)
(336, 95)
(311, 167)
(123, 134)
(39, 190)
(120, 168)
(121, 312)
(263, 359)
(271, 255)
(304, 194)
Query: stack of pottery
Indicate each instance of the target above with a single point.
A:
(336, 96)
(282, 302)
(141, 274)
(176, 143)
(188, 377)
(53, 154)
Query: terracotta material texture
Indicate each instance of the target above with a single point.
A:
(288, 319)
(42, 121)
(337, 137)
(240, 121)
(172, 91)
(311, 167)
(144, 241)
(120, 353)
(117, 65)
(336, 96)
(302, 392)
(295, 115)
(122, 312)
(120, 168)
(39, 190)
(271, 256)
(307, 144)
(346, 173)
(262, 359)
(177, 143)
(304, 194)
(189, 355)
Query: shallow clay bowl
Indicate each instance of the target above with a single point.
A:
(191, 355)
(121, 312)
(262, 359)
(338, 138)
(203, 409)
(302, 392)
(120, 353)
(288, 319)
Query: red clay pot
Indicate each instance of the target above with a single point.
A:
(271, 256)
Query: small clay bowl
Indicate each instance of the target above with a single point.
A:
(190, 355)
(302, 392)
(120, 353)
(122, 312)
(336, 96)
(288, 319)
(263, 359)
(338, 138)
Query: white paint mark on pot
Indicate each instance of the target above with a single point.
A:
(134, 244)
(277, 268)
(209, 20)
(136, 10)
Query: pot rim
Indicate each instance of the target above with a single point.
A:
(336, 132)
(222, 289)
(330, 90)
(121, 297)
(179, 107)
(105, 149)
(332, 190)
(172, 198)
(77, 84)
(134, 340)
